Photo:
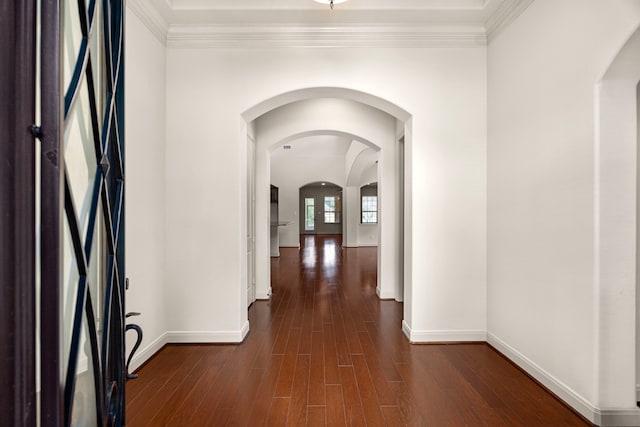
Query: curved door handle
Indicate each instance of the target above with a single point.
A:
(138, 329)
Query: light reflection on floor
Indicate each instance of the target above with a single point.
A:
(325, 255)
(322, 258)
(309, 255)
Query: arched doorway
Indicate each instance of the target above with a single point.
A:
(332, 111)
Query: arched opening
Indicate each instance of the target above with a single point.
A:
(376, 124)
(617, 194)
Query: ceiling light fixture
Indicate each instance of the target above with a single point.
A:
(330, 2)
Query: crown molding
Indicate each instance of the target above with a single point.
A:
(504, 15)
(150, 17)
(400, 36)
(321, 36)
(249, 5)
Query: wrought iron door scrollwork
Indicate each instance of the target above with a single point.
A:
(83, 213)
(138, 329)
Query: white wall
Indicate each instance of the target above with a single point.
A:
(617, 213)
(542, 293)
(362, 169)
(145, 120)
(369, 175)
(351, 216)
(442, 88)
(368, 233)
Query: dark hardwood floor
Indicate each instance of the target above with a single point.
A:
(326, 351)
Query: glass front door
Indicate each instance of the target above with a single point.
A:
(82, 209)
(62, 75)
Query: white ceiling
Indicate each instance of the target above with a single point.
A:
(326, 146)
(384, 23)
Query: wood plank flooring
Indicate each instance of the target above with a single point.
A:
(325, 351)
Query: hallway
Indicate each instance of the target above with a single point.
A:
(326, 351)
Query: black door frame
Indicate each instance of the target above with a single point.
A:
(52, 208)
(17, 212)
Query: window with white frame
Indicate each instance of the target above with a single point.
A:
(331, 210)
(369, 204)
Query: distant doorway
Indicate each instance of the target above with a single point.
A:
(321, 203)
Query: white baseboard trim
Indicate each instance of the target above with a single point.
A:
(406, 330)
(461, 335)
(385, 295)
(264, 295)
(604, 418)
(144, 354)
(244, 331)
(618, 417)
(175, 337)
(418, 337)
